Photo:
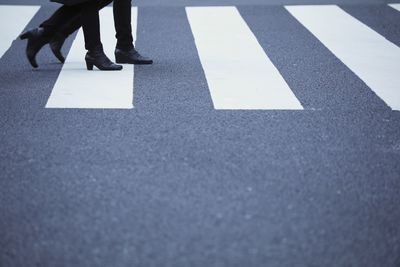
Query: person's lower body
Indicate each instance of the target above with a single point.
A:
(65, 21)
(125, 52)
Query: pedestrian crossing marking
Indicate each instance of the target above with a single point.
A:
(239, 73)
(369, 55)
(395, 6)
(13, 20)
(78, 88)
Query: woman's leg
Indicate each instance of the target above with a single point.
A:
(69, 24)
(74, 22)
(62, 17)
(91, 31)
(89, 14)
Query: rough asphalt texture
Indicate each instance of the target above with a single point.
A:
(176, 183)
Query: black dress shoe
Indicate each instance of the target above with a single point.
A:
(36, 40)
(100, 60)
(56, 43)
(131, 56)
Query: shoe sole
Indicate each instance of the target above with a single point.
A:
(133, 62)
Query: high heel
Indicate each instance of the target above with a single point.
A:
(37, 38)
(89, 65)
(56, 43)
(100, 60)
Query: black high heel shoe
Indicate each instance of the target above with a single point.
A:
(37, 38)
(56, 43)
(100, 60)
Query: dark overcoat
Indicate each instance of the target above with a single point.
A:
(70, 2)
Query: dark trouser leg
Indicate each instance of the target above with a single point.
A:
(122, 21)
(66, 20)
(89, 15)
(75, 23)
(62, 16)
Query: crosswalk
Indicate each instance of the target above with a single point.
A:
(240, 74)
(369, 55)
(247, 80)
(91, 89)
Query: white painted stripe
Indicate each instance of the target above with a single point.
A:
(13, 20)
(395, 6)
(239, 73)
(78, 88)
(369, 55)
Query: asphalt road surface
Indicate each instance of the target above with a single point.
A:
(167, 165)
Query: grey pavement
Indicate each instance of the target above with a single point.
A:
(175, 182)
